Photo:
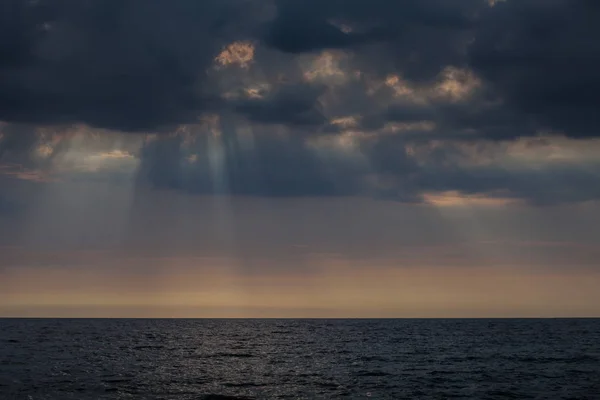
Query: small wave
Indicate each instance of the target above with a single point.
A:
(373, 358)
(373, 373)
(505, 394)
(442, 372)
(224, 397)
(232, 355)
(455, 359)
(307, 375)
(548, 360)
(116, 380)
(243, 384)
(147, 347)
(329, 385)
(582, 359)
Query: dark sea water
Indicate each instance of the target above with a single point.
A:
(299, 359)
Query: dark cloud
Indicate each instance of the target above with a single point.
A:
(550, 186)
(16, 141)
(141, 65)
(402, 113)
(20, 27)
(418, 37)
(288, 105)
(138, 65)
(295, 33)
(474, 119)
(147, 66)
(542, 58)
(538, 58)
(127, 65)
(479, 118)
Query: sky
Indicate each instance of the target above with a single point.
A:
(299, 158)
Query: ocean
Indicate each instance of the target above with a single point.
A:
(299, 359)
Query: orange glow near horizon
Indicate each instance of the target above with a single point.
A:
(338, 290)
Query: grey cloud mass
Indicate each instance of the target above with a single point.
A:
(415, 36)
(335, 93)
(541, 57)
(141, 65)
(290, 104)
(128, 65)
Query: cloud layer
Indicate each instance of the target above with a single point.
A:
(306, 97)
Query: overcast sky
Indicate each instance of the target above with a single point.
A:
(318, 158)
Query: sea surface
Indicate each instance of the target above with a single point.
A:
(299, 359)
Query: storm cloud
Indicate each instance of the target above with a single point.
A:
(307, 97)
(127, 65)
